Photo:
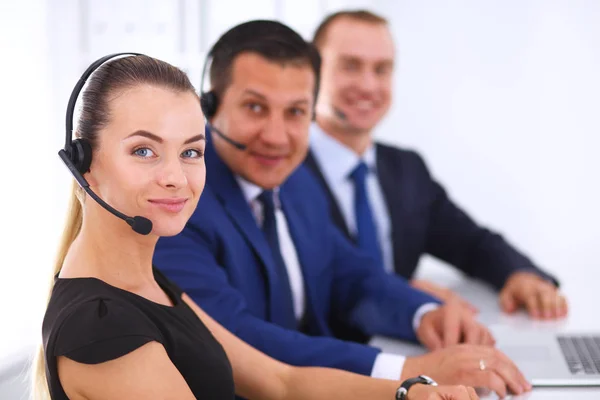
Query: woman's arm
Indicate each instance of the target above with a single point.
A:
(258, 376)
(145, 373)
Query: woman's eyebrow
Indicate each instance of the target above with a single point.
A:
(146, 134)
(158, 139)
(195, 138)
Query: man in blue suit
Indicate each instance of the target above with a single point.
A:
(261, 255)
(411, 214)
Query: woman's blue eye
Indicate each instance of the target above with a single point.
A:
(143, 152)
(192, 153)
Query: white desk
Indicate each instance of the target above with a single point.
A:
(583, 317)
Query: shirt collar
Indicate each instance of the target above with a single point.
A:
(249, 189)
(336, 160)
(252, 191)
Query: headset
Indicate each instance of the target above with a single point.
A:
(209, 102)
(247, 37)
(77, 153)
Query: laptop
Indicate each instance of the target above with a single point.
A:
(554, 359)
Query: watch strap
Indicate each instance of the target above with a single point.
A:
(402, 392)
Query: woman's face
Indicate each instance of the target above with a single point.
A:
(150, 157)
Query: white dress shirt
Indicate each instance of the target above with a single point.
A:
(386, 366)
(288, 250)
(337, 162)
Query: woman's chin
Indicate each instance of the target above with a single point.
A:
(167, 230)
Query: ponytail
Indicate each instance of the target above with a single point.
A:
(72, 228)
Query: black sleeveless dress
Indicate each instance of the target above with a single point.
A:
(90, 321)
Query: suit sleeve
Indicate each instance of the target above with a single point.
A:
(368, 298)
(457, 239)
(190, 260)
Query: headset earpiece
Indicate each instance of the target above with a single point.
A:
(77, 153)
(209, 103)
(80, 153)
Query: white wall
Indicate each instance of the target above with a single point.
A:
(26, 200)
(503, 99)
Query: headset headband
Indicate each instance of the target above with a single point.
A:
(77, 89)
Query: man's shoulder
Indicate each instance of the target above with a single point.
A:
(208, 207)
(392, 160)
(302, 182)
(387, 151)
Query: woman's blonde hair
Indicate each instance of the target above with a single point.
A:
(72, 228)
(109, 78)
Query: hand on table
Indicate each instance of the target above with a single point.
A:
(428, 392)
(472, 365)
(452, 324)
(539, 297)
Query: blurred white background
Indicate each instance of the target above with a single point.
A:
(501, 97)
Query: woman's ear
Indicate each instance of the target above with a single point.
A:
(90, 178)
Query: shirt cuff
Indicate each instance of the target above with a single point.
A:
(388, 366)
(421, 311)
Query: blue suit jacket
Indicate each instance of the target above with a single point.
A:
(425, 220)
(222, 261)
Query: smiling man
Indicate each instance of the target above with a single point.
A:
(383, 197)
(261, 255)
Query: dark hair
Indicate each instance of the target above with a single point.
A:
(120, 74)
(357, 15)
(269, 39)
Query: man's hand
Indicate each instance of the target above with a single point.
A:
(477, 366)
(451, 324)
(442, 293)
(539, 297)
(427, 392)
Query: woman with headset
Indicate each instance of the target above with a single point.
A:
(115, 328)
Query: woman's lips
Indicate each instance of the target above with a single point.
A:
(173, 205)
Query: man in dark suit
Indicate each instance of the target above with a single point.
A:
(260, 254)
(383, 197)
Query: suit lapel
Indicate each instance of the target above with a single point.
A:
(222, 181)
(390, 178)
(306, 249)
(336, 213)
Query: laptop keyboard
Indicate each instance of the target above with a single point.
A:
(582, 353)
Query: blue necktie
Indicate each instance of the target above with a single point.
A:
(285, 306)
(365, 222)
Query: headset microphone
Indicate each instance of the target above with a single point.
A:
(340, 114)
(77, 154)
(234, 143)
(209, 103)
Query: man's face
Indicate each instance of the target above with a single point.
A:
(356, 74)
(267, 107)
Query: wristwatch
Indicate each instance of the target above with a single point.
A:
(403, 389)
